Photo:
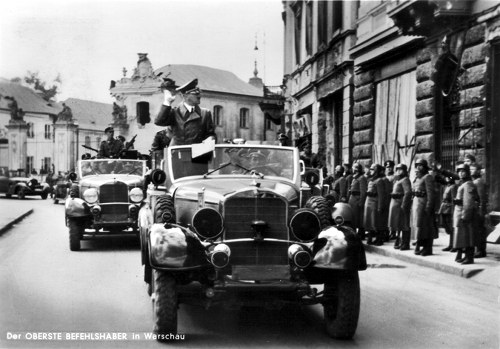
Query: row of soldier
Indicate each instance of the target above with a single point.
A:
(387, 205)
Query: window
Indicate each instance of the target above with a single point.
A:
(268, 124)
(298, 29)
(48, 131)
(29, 164)
(395, 119)
(46, 165)
(337, 16)
(309, 34)
(143, 117)
(217, 115)
(31, 130)
(322, 23)
(87, 141)
(244, 117)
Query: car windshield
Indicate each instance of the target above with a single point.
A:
(108, 166)
(235, 160)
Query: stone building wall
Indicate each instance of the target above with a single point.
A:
(363, 117)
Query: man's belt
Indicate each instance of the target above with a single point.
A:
(419, 194)
(396, 195)
(458, 202)
(355, 192)
(371, 194)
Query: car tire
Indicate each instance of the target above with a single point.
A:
(21, 194)
(75, 234)
(44, 195)
(341, 306)
(56, 201)
(8, 196)
(165, 303)
(164, 207)
(320, 205)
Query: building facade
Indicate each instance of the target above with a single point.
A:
(418, 81)
(234, 103)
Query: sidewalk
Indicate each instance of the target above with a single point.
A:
(484, 270)
(12, 212)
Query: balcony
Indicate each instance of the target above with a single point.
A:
(427, 17)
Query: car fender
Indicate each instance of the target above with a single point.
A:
(339, 247)
(172, 247)
(76, 207)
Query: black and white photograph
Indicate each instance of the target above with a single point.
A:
(250, 174)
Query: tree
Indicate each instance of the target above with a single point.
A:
(35, 82)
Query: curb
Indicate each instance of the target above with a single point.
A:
(9, 225)
(426, 262)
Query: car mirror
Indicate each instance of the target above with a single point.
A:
(302, 167)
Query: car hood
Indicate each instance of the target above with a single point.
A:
(20, 179)
(216, 190)
(96, 181)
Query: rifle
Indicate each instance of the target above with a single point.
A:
(89, 148)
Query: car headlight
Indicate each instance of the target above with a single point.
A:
(305, 225)
(208, 223)
(136, 195)
(90, 195)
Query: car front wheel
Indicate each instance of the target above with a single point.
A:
(341, 305)
(165, 303)
(21, 194)
(75, 234)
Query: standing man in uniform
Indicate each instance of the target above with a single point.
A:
(189, 123)
(357, 196)
(111, 147)
(400, 208)
(465, 216)
(423, 208)
(480, 184)
(339, 185)
(374, 204)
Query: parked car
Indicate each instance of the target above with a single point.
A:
(105, 198)
(231, 228)
(22, 186)
(60, 190)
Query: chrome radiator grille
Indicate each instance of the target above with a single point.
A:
(258, 253)
(239, 212)
(113, 192)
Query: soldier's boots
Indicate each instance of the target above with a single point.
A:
(405, 241)
(450, 244)
(418, 251)
(397, 243)
(459, 258)
(394, 235)
(469, 256)
(369, 239)
(380, 238)
(481, 251)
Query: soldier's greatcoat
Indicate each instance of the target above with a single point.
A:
(110, 149)
(375, 194)
(187, 127)
(465, 215)
(340, 189)
(357, 197)
(423, 207)
(446, 208)
(400, 207)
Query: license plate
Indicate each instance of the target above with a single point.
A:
(261, 272)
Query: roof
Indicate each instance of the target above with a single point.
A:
(89, 113)
(210, 79)
(27, 99)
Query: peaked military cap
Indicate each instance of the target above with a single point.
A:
(389, 163)
(422, 162)
(402, 167)
(463, 167)
(109, 129)
(189, 87)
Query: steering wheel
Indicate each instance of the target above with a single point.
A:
(265, 167)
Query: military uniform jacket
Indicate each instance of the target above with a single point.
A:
(423, 207)
(340, 189)
(375, 194)
(400, 207)
(110, 149)
(187, 128)
(448, 196)
(357, 197)
(465, 215)
(481, 191)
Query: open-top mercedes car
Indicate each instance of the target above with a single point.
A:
(105, 198)
(232, 227)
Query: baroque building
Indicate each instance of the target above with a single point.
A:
(397, 80)
(234, 103)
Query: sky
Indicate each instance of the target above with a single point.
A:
(89, 42)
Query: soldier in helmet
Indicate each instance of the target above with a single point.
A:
(339, 185)
(446, 208)
(357, 196)
(423, 208)
(400, 208)
(465, 216)
(480, 184)
(111, 147)
(375, 194)
(389, 179)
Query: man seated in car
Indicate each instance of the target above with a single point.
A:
(257, 161)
